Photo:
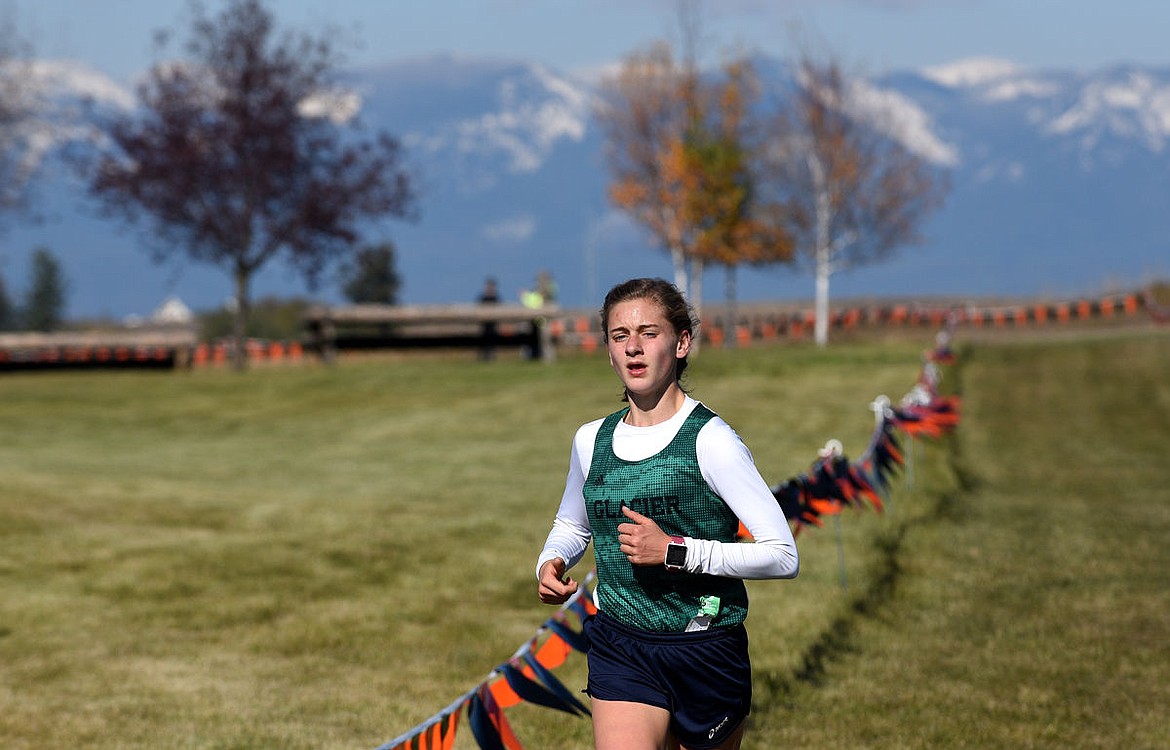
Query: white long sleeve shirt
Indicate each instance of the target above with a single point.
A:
(727, 466)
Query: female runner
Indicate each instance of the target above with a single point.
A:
(660, 488)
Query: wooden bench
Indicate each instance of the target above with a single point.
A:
(368, 326)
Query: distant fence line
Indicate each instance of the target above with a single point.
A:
(562, 329)
(763, 324)
(215, 353)
(155, 348)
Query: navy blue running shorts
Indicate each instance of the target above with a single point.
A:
(703, 678)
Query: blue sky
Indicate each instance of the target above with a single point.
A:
(114, 36)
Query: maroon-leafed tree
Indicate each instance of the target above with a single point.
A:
(244, 151)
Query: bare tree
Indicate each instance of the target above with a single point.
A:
(240, 155)
(18, 108)
(855, 193)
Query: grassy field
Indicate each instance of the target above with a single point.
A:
(303, 557)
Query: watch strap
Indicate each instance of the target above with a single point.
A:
(675, 541)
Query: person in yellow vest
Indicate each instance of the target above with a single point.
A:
(547, 287)
(531, 298)
(543, 295)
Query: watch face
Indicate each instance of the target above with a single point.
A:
(676, 555)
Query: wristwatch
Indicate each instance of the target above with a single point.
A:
(676, 553)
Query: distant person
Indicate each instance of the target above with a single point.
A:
(490, 295)
(546, 286)
(544, 293)
(660, 487)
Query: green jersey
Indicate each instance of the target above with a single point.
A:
(669, 488)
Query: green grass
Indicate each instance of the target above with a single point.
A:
(1030, 606)
(303, 557)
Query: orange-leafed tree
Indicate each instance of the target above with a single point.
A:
(734, 223)
(644, 112)
(682, 164)
(855, 192)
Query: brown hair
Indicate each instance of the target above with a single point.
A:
(660, 292)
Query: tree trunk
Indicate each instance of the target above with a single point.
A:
(696, 299)
(732, 313)
(824, 269)
(823, 249)
(679, 260)
(240, 321)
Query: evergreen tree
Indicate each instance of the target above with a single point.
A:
(372, 277)
(44, 308)
(7, 311)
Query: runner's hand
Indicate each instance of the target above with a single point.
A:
(555, 587)
(642, 542)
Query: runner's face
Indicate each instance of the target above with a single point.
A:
(643, 347)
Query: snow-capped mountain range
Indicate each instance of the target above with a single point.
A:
(1059, 186)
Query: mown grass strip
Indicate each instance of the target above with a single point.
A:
(315, 558)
